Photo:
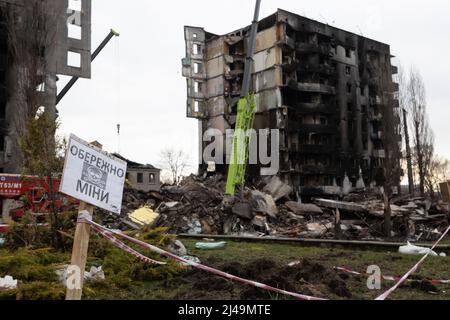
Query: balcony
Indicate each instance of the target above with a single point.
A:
(322, 49)
(394, 69)
(312, 128)
(377, 136)
(314, 108)
(375, 117)
(321, 69)
(379, 154)
(317, 170)
(395, 87)
(316, 149)
(312, 87)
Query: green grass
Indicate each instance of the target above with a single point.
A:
(128, 279)
(391, 264)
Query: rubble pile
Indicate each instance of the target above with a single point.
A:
(198, 206)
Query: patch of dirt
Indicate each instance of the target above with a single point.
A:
(307, 277)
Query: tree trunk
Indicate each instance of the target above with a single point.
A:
(57, 242)
(387, 215)
(408, 154)
(420, 161)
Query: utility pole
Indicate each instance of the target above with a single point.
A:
(408, 153)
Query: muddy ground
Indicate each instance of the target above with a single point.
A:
(307, 277)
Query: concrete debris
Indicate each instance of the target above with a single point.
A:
(243, 210)
(277, 189)
(260, 222)
(303, 209)
(195, 227)
(264, 203)
(199, 206)
(177, 248)
(191, 259)
(348, 206)
(95, 274)
(8, 283)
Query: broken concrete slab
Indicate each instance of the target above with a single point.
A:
(277, 189)
(264, 203)
(177, 248)
(346, 206)
(243, 210)
(303, 209)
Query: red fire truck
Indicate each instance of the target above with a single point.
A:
(22, 194)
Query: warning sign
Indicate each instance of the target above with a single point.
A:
(93, 176)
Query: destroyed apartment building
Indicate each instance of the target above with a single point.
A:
(326, 90)
(62, 44)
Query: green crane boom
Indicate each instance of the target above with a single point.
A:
(245, 117)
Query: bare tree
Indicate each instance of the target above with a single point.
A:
(423, 136)
(391, 139)
(403, 102)
(439, 172)
(176, 162)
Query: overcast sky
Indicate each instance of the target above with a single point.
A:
(136, 81)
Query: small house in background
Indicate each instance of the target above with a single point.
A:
(142, 177)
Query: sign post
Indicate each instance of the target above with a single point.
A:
(97, 180)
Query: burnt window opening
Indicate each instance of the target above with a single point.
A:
(2, 109)
(363, 109)
(194, 35)
(349, 88)
(2, 143)
(140, 177)
(349, 107)
(152, 178)
(127, 176)
(348, 53)
(348, 70)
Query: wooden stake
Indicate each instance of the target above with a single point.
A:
(81, 246)
(80, 251)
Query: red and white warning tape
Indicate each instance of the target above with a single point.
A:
(106, 232)
(110, 236)
(119, 244)
(385, 295)
(390, 278)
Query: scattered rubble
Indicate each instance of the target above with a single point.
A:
(95, 274)
(8, 283)
(198, 206)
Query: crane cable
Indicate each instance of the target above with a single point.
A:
(118, 92)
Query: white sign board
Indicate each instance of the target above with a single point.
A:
(93, 176)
